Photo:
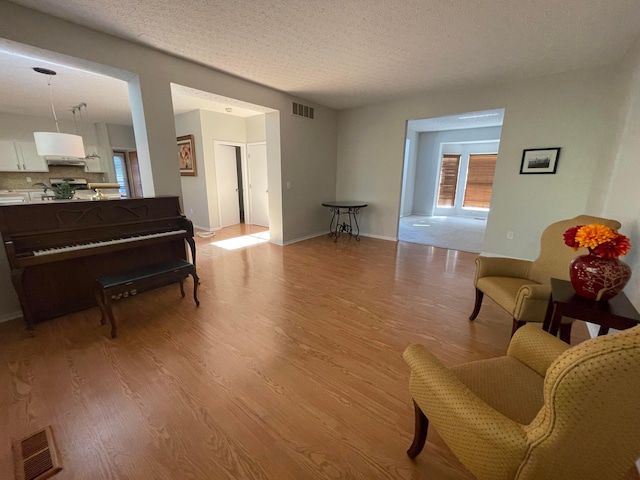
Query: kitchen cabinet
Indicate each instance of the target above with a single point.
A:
(31, 161)
(21, 157)
(8, 157)
(93, 165)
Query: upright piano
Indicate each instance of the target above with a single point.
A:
(57, 249)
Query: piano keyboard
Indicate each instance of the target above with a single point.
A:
(104, 243)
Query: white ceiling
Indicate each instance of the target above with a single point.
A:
(345, 53)
(26, 92)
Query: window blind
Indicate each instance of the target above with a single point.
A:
(448, 180)
(477, 193)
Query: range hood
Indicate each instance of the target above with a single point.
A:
(67, 162)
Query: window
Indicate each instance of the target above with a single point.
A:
(119, 162)
(477, 193)
(448, 180)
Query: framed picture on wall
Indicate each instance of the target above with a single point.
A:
(187, 155)
(540, 160)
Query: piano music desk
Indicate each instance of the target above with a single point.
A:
(121, 285)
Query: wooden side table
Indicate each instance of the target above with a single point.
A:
(618, 313)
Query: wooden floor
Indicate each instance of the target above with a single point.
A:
(291, 367)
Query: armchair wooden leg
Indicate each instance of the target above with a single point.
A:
(565, 332)
(420, 435)
(516, 325)
(476, 308)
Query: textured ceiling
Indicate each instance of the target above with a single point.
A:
(345, 53)
(26, 92)
(339, 54)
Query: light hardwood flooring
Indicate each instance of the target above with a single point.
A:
(291, 368)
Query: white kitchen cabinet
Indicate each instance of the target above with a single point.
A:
(31, 161)
(9, 157)
(93, 165)
(21, 157)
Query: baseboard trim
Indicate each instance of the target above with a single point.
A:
(206, 229)
(379, 237)
(301, 239)
(308, 237)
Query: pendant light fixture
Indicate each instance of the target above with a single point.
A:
(84, 119)
(56, 144)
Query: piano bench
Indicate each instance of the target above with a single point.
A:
(121, 285)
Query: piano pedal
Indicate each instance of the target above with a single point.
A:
(124, 294)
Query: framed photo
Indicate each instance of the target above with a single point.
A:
(540, 160)
(187, 155)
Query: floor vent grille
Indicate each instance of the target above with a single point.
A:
(300, 110)
(36, 456)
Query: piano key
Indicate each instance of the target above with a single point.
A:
(68, 248)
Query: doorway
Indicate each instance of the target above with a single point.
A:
(447, 179)
(229, 180)
(243, 190)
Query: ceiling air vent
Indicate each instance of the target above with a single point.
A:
(300, 110)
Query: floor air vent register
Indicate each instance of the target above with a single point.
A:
(36, 456)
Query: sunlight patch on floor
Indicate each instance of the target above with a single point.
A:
(243, 242)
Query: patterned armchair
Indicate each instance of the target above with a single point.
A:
(522, 287)
(546, 410)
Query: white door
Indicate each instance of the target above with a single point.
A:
(258, 185)
(227, 182)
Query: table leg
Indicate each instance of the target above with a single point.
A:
(333, 232)
(548, 315)
(355, 219)
(558, 313)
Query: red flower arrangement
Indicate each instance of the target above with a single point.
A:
(601, 240)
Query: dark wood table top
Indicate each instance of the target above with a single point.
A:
(344, 204)
(562, 292)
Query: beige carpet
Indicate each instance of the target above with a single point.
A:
(457, 233)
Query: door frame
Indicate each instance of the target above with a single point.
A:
(248, 176)
(243, 164)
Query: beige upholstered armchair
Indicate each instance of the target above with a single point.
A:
(544, 411)
(522, 287)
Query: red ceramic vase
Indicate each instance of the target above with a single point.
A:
(598, 278)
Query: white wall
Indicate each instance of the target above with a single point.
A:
(409, 173)
(427, 173)
(121, 137)
(621, 197)
(256, 129)
(194, 188)
(575, 111)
